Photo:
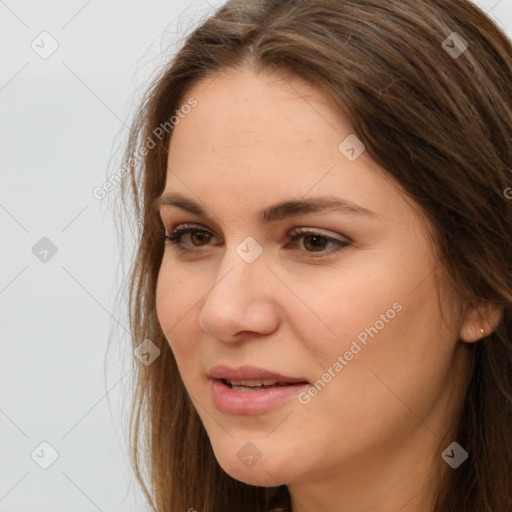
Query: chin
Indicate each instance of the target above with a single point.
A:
(258, 477)
(243, 465)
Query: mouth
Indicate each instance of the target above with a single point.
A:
(256, 385)
(252, 377)
(251, 390)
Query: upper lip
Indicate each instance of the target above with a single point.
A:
(247, 372)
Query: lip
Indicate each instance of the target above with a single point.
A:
(251, 402)
(248, 372)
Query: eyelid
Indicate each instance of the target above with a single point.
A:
(190, 225)
(318, 231)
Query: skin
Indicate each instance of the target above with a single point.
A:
(370, 439)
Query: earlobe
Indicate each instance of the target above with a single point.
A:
(480, 321)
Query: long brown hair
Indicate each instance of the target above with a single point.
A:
(439, 122)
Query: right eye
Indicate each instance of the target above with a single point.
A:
(201, 236)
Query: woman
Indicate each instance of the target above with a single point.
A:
(324, 264)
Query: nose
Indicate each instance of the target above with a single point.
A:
(241, 300)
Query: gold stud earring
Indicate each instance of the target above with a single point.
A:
(482, 331)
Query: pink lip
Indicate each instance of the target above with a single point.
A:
(250, 373)
(251, 402)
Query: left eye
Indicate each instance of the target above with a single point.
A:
(313, 241)
(316, 241)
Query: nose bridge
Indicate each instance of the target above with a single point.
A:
(240, 274)
(244, 263)
(239, 300)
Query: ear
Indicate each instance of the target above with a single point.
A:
(477, 318)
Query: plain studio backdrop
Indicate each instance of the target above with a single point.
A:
(71, 74)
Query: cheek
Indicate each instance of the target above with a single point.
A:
(386, 318)
(345, 303)
(177, 291)
(166, 303)
(175, 310)
(405, 360)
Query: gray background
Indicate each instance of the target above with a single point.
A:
(61, 119)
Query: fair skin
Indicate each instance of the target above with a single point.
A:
(369, 440)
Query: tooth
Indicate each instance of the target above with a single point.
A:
(252, 383)
(255, 384)
(245, 388)
(258, 383)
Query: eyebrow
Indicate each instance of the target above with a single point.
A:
(273, 213)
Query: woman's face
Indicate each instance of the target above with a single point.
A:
(350, 306)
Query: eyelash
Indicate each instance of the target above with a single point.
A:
(174, 237)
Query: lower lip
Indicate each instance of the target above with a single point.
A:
(251, 402)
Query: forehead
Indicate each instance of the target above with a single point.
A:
(274, 136)
(239, 112)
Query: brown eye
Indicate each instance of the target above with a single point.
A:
(200, 236)
(315, 242)
(197, 237)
